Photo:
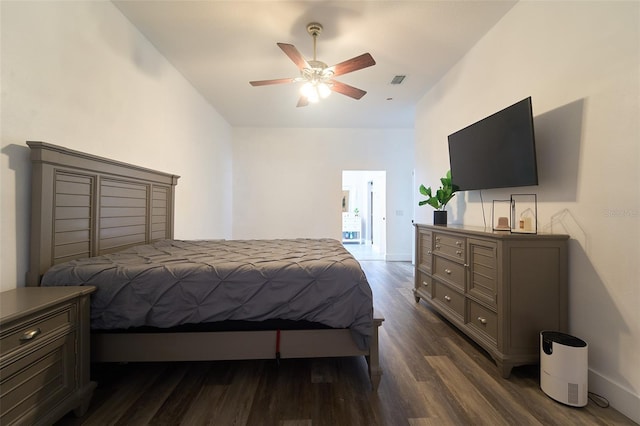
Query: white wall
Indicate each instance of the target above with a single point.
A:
(78, 74)
(580, 62)
(288, 182)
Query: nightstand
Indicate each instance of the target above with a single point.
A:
(44, 354)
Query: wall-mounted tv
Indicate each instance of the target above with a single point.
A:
(496, 152)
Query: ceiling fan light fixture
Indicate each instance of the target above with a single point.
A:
(324, 90)
(314, 91)
(309, 91)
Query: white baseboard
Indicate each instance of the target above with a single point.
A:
(406, 257)
(620, 398)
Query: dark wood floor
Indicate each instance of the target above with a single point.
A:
(433, 375)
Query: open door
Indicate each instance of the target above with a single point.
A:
(364, 210)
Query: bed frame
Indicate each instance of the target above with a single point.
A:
(83, 205)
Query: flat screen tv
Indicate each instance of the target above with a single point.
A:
(496, 152)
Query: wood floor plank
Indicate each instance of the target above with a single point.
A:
(323, 371)
(491, 387)
(294, 384)
(470, 398)
(202, 410)
(442, 408)
(355, 391)
(178, 402)
(144, 408)
(119, 387)
(405, 384)
(204, 405)
(235, 405)
(421, 397)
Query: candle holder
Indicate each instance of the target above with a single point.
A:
(524, 214)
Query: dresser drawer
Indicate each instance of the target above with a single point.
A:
(449, 246)
(449, 299)
(483, 321)
(36, 327)
(450, 272)
(424, 250)
(36, 382)
(424, 285)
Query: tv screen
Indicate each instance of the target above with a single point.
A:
(496, 152)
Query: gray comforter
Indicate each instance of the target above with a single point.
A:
(174, 282)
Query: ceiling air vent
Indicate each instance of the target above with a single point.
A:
(398, 79)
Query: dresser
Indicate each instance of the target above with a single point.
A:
(44, 354)
(500, 289)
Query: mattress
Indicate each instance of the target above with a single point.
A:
(175, 282)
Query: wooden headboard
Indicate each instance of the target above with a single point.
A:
(83, 205)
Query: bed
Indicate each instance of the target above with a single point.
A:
(93, 217)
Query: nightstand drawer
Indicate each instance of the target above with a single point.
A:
(38, 380)
(36, 328)
(44, 358)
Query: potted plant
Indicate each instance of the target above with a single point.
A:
(440, 199)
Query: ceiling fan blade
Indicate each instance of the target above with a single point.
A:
(293, 54)
(354, 64)
(302, 102)
(345, 89)
(276, 81)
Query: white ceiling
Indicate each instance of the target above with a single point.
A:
(219, 46)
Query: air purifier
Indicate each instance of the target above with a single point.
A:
(564, 368)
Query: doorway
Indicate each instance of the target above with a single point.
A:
(364, 231)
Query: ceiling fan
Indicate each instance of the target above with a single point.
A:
(318, 78)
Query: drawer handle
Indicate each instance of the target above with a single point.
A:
(458, 243)
(29, 335)
(429, 252)
(482, 320)
(448, 271)
(447, 298)
(424, 283)
(466, 265)
(458, 252)
(437, 246)
(437, 238)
